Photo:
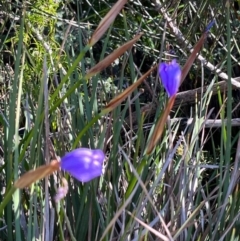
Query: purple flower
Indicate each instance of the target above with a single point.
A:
(83, 163)
(61, 191)
(210, 25)
(170, 74)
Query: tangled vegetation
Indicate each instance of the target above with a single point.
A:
(66, 83)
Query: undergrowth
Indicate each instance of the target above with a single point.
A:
(187, 188)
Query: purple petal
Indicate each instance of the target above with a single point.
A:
(210, 25)
(170, 75)
(61, 191)
(83, 163)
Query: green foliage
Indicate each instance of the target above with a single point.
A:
(187, 189)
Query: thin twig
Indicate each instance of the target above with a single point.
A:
(47, 157)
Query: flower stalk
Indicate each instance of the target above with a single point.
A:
(84, 164)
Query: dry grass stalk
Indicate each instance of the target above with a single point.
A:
(111, 57)
(107, 21)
